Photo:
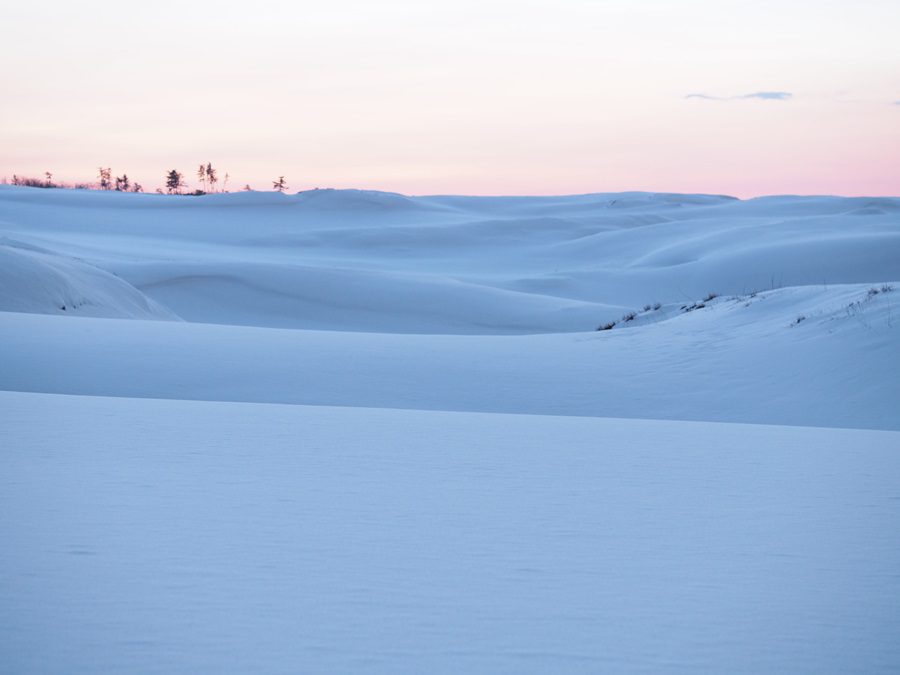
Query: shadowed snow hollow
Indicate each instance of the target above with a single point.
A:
(40, 282)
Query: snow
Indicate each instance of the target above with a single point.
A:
(33, 280)
(153, 536)
(347, 430)
(734, 360)
(375, 262)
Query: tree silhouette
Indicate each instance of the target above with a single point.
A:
(137, 187)
(105, 176)
(49, 177)
(211, 177)
(201, 174)
(174, 182)
(122, 184)
(280, 184)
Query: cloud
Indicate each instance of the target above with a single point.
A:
(770, 95)
(763, 95)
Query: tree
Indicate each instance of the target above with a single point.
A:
(49, 177)
(174, 182)
(105, 176)
(122, 184)
(225, 182)
(201, 175)
(247, 187)
(137, 187)
(280, 184)
(211, 177)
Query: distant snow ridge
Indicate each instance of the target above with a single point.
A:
(40, 282)
(369, 261)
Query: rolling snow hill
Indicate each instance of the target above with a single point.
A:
(461, 303)
(164, 511)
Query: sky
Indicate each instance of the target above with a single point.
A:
(463, 96)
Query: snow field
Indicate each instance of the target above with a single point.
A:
(153, 536)
(352, 431)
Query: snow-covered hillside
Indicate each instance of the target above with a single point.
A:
(500, 297)
(364, 261)
(162, 511)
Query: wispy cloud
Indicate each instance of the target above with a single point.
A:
(770, 95)
(763, 95)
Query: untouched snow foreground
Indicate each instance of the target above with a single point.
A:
(172, 536)
(162, 510)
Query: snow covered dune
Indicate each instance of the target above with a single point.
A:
(370, 261)
(812, 356)
(163, 511)
(462, 303)
(36, 280)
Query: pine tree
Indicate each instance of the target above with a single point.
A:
(174, 182)
(122, 184)
(280, 184)
(49, 177)
(105, 176)
(137, 187)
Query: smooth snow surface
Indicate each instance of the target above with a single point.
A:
(147, 536)
(462, 303)
(368, 261)
(727, 362)
(161, 512)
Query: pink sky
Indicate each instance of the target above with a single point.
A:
(484, 97)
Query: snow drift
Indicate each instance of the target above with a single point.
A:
(144, 532)
(39, 281)
(769, 310)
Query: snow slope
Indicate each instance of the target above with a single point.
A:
(355, 260)
(741, 360)
(499, 297)
(148, 536)
(145, 532)
(34, 280)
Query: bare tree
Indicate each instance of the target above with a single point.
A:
(122, 184)
(280, 184)
(49, 177)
